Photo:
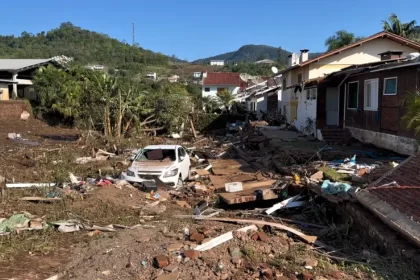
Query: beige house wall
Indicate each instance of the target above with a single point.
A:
(365, 53)
(4, 95)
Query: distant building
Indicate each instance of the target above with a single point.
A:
(173, 79)
(265, 61)
(217, 62)
(151, 76)
(197, 75)
(214, 83)
(17, 74)
(95, 67)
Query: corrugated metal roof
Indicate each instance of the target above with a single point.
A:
(18, 64)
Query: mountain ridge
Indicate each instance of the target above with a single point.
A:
(253, 53)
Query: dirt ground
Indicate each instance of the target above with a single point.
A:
(129, 253)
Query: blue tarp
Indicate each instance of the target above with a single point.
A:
(334, 187)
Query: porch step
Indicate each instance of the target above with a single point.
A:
(336, 135)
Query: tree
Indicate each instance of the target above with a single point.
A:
(412, 118)
(226, 98)
(394, 25)
(340, 39)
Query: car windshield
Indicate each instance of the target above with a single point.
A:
(157, 154)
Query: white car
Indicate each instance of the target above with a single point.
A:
(170, 163)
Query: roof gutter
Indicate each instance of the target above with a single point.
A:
(398, 66)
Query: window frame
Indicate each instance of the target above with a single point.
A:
(365, 82)
(206, 89)
(348, 95)
(300, 75)
(396, 86)
(284, 85)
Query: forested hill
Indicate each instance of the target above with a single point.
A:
(83, 45)
(249, 53)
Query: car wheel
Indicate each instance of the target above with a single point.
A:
(180, 183)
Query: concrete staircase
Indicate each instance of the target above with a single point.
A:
(336, 136)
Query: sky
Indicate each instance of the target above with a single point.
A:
(198, 29)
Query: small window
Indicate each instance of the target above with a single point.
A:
(299, 78)
(390, 86)
(353, 95)
(371, 95)
(311, 94)
(284, 84)
(207, 89)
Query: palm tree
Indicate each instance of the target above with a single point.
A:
(412, 117)
(226, 98)
(340, 39)
(394, 25)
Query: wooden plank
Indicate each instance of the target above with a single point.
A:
(241, 178)
(258, 184)
(246, 196)
(232, 171)
(202, 172)
(228, 163)
(219, 181)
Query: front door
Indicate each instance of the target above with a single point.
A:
(332, 107)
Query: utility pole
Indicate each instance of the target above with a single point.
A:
(134, 39)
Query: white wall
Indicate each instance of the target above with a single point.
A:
(306, 109)
(213, 90)
(219, 63)
(367, 52)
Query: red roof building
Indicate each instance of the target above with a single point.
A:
(223, 79)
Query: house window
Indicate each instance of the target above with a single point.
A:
(371, 95)
(390, 86)
(284, 84)
(311, 94)
(299, 78)
(207, 89)
(353, 95)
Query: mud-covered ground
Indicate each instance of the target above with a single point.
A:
(129, 253)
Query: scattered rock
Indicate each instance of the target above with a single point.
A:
(25, 115)
(306, 276)
(311, 262)
(161, 261)
(235, 254)
(106, 272)
(337, 275)
(171, 276)
(318, 176)
(192, 231)
(191, 254)
(260, 236)
(183, 204)
(197, 237)
(171, 268)
(206, 231)
(175, 247)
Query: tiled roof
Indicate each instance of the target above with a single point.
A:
(383, 34)
(404, 197)
(225, 79)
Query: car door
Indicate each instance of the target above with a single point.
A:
(183, 163)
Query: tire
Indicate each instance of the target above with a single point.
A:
(180, 183)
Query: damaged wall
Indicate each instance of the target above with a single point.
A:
(12, 109)
(399, 144)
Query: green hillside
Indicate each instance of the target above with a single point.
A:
(86, 47)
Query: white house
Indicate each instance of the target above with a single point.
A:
(197, 75)
(217, 62)
(151, 76)
(300, 80)
(218, 82)
(260, 96)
